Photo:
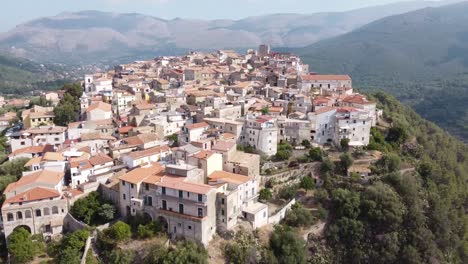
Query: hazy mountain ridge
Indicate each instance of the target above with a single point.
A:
(421, 57)
(92, 35)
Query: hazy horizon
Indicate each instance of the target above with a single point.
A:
(170, 9)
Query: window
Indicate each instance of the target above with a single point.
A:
(188, 194)
(19, 215)
(146, 186)
(222, 200)
(38, 212)
(200, 212)
(10, 217)
(200, 198)
(123, 183)
(181, 194)
(164, 204)
(181, 208)
(131, 185)
(190, 227)
(222, 211)
(124, 197)
(55, 210)
(46, 211)
(57, 139)
(163, 190)
(150, 201)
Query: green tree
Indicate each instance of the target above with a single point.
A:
(306, 143)
(397, 135)
(20, 246)
(287, 192)
(107, 212)
(287, 246)
(388, 163)
(344, 143)
(346, 161)
(243, 249)
(14, 167)
(119, 231)
(315, 154)
(327, 166)
(265, 194)
(307, 183)
(265, 110)
(282, 155)
(64, 114)
(119, 256)
(93, 209)
(73, 89)
(188, 252)
(299, 216)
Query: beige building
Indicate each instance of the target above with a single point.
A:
(99, 111)
(35, 202)
(38, 116)
(176, 196)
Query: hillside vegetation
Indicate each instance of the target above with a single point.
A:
(421, 57)
(21, 76)
(417, 217)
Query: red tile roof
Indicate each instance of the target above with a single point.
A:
(197, 125)
(33, 194)
(318, 77)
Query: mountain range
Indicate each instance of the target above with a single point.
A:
(421, 57)
(91, 36)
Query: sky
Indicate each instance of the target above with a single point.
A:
(13, 12)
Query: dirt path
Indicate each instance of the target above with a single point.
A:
(316, 230)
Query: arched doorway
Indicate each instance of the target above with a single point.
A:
(163, 223)
(148, 218)
(27, 228)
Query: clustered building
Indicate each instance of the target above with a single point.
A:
(167, 130)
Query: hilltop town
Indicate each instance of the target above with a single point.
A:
(189, 142)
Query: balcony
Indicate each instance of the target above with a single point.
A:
(169, 213)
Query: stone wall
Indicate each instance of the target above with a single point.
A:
(292, 175)
(71, 224)
(280, 214)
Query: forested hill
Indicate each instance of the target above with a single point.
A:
(421, 57)
(21, 76)
(417, 217)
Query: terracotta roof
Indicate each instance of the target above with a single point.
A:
(145, 106)
(43, 176)
(224, 145)
(197, 125)
(46, 130)
(80, 164)
(325, 109)
(347, 109)
(204, 154)
(149, 152)
(139, 174)
(125, 129)
(53, 156)
(317, 77)
(33, 161)
(100, 159)
(357, 99)
(177, 183)
(32, 150)
(99, 105)
(228, 177)
(33, 194)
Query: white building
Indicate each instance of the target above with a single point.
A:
(261, 133)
